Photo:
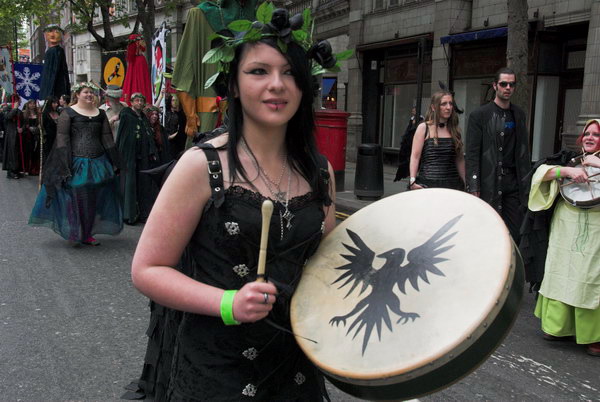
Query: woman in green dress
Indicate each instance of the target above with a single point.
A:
(569, 296)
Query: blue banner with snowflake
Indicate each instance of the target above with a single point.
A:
(28, 77)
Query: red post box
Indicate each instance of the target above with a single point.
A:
(331, 132)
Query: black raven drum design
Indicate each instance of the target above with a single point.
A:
(373, 309)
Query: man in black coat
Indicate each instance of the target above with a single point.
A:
(497, 153)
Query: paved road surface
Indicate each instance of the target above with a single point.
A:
(72, 326)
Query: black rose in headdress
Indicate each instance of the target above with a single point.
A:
(280, 25)
(280, 19)
(322, 53)
(296, 22)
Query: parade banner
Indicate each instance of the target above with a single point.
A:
(159, 48)
(6, 73)
(113, 68)
(28, 78)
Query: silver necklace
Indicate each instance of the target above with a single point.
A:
(276, 185)
(282, 197)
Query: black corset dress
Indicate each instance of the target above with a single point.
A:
(438, 165)
(259, 361)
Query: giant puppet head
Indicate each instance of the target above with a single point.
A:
(53, 34)
(136, 46)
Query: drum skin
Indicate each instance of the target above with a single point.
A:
(409, 294)
(582, 195)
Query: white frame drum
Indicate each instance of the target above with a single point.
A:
(462, 307)
(582, 195)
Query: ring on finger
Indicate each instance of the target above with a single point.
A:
(266, 296)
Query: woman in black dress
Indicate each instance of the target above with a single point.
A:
(175, 126)
(12, 158)
(49, 122)
(79, 197)
(234, 339)
(161, 140)
(31, 137)
(436, 159)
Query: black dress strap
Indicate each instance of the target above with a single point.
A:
(215, 174)
(325, 178)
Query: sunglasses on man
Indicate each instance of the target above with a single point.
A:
(504, 84)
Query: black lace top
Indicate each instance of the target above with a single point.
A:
(77, 136)
(259, 361)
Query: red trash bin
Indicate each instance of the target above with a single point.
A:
(331, 132)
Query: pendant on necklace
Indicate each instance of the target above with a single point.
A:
(288, 216)
(280, 196)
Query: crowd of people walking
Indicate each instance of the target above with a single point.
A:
(89, 160)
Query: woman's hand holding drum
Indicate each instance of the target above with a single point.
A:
(576, 174)
(592, 160)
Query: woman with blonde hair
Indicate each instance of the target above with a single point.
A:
(436, 158)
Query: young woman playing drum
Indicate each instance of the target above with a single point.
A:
(436, 159)
(234, 340)
(569, 297)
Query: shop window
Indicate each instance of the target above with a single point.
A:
(469, 94)
(576, 59)
(396, 105)
(478, 61)
(329, 93)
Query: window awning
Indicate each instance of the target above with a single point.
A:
(327, 85)
(475, 35)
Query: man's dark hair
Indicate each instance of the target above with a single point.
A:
(504, 70)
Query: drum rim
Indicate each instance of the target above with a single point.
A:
(434, 360)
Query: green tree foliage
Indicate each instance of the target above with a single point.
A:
(7, 33)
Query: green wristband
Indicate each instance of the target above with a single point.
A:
(227, 307)
(558, 172)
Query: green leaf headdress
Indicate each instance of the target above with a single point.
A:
(79, 86)
(276, 25)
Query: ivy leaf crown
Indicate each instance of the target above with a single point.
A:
(276, 24)
(77, 87)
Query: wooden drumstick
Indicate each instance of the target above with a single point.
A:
(574, 182)
(267, 211)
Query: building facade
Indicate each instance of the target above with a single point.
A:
(404, 48)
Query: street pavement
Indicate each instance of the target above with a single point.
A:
(72, 325)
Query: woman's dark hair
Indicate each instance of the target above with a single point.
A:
(48, 106)
(27, 112)
(168, 101)
(299, 140)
